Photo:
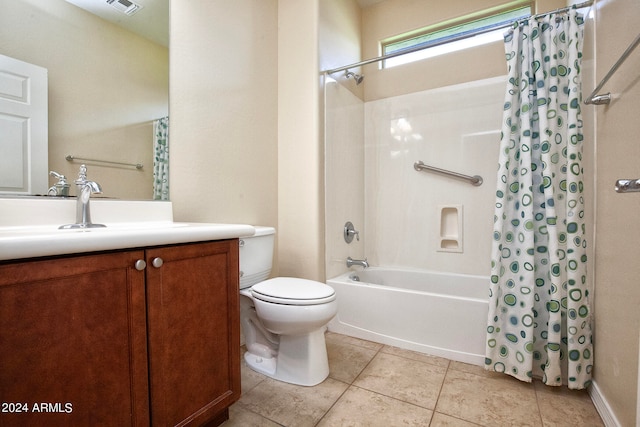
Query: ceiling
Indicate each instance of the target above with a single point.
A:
(151, 21)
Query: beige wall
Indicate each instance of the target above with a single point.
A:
(391, 18)
(223, 103)
(617, 292)
(300, 152)
(245, 113)
(340, 33)
(106, 86)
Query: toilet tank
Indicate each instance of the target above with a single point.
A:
(256, 256)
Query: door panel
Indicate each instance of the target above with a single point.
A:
(23, 127)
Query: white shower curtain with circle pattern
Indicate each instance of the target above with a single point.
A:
(539, 314)
(161, 159)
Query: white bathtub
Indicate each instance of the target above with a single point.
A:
(441, 314)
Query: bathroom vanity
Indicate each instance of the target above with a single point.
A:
(139, 335)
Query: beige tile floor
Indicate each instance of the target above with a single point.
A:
(371, 384)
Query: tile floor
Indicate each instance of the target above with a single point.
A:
(371, 384)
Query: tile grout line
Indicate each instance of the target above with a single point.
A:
(349, 385)
(446, 372)
(449, 369)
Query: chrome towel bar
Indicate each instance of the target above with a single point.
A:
(606, 98)
(627, 186)
(71, 158)
(474, 180)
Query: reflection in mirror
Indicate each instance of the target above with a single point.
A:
(107, 87)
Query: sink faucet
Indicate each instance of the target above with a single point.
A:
(361, 262)
(84, 189)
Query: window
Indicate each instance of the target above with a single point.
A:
(454, 35)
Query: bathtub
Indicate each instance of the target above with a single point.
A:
(441, 314)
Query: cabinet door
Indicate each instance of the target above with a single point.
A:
(193, 327)
(73, 342)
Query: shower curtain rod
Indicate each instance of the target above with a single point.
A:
(449, 40)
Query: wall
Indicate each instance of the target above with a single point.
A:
(344, 181)
(455, 128)
(102, 95)
(340, 34)
(617, 294)
(223, 103)
(300, 152)
(340, 29)
(391, 18)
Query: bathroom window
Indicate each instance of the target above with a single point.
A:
(498, 18)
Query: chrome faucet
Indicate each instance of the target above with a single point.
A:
(360, 262)
(84, 189)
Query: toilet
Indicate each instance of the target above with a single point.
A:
(284, 318)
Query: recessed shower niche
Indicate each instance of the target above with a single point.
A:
(450, 239)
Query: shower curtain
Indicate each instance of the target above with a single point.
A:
(539, 313)
(161, 159)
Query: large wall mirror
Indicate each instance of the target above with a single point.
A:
(108, 83)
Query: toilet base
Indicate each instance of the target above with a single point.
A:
(301, 360)
(260, 364)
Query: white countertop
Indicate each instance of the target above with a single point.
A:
(29, 228)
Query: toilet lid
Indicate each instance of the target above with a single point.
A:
(293, 291)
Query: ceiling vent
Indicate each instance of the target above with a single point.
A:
(125, 6)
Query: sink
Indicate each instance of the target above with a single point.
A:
(28, 234)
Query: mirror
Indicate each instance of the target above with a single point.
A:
(106, 84)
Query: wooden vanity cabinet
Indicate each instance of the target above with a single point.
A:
(194, 331)
(73, 346)
(91, 340)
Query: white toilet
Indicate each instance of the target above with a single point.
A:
(283, 319)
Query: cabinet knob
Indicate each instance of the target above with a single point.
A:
(140, 265)
(157, 262)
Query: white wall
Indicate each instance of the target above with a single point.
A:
(344, 181)
(455, 128)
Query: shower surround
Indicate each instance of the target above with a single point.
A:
(370, 151)
(370, 179)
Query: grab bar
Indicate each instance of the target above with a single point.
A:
(474, 180)
(71, 158)
(606, 98)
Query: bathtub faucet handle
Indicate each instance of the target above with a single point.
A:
(349, 232)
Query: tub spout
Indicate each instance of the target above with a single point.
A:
(360, 262)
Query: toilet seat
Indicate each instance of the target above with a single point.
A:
(293, 291)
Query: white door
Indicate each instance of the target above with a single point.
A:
(23, 128)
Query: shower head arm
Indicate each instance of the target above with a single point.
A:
(357, 77)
